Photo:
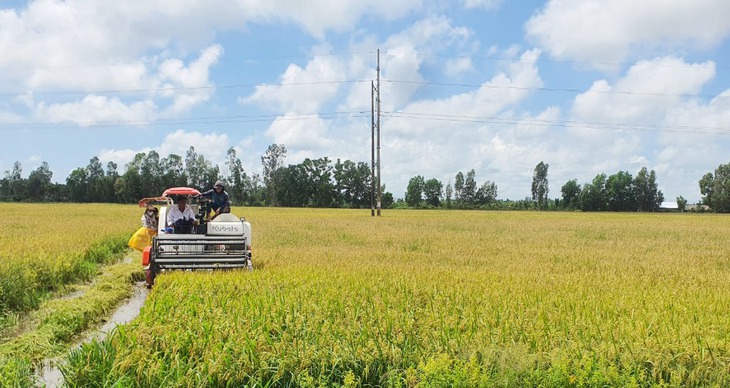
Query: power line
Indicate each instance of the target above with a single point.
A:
(548, 60)
(183, 88)
(340, 82)
(150, 63)
(559, 123)
(196, 120)
(344, 115)
(358, 53)
(530, 88)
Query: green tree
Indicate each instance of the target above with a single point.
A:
(201, 173)
(387, 199)
(486, 194)
(681, 204)
(540, 185)
(129, 187)
(571, 194)
(361, 186)
(257, 191)
(593, 197)
(647, 193)
(78, 185)
(95, 181)
(39, 183)
(414, 192)
(433, 191)
(352, 184)
(13, 185)
(309, 183)
(470, 189)
(237, 178)
(620, 192)
(317, 175)
(459, 189)
(110, 181)
(150, 171)
(448, 192)
(707, 183)
(716, 189)
(271, 161)
(173, 172)
(193, 170)
(289, 184)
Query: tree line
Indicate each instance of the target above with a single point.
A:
(312, 183)
(465, 193)
(619, 192)
(324, 183)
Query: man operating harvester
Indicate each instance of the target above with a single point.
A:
(181, 217)
(219, 200)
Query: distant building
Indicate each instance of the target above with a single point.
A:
(697, 208)
(669, 207)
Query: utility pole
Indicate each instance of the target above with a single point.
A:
(379, 184)
(372, 149)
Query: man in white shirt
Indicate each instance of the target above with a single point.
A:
(180, 212)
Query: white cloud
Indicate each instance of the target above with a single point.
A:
(10, 117)
(249, 154)
(211, 145)
(608, 31)
(455, 67)
(320, 16)
(603, 132)
(503, 91)
(651, 117)
(301, 133)
(405, 53)
(649, 89)
(502, 129)
(136, 44)
(186, 86)
(477, 129)
(97, 110)
(302, 90)
(485, 4)
(73, 34)
(639, 160)
(193, 80)
(120, 157)
(32, 163)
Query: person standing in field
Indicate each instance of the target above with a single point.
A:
(142, 238)
(220, 202)
(151, 218)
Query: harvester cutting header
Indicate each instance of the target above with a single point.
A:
(189, 238)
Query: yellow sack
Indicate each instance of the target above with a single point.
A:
(140, 239)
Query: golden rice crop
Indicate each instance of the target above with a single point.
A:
(440, 298)
(43, 246)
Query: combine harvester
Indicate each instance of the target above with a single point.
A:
(223, 242)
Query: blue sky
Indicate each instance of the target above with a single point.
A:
(497, 86)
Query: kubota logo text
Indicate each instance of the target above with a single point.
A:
(222, 228)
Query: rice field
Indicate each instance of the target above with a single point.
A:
(45, 246)
(439, 298)
(55, 278)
